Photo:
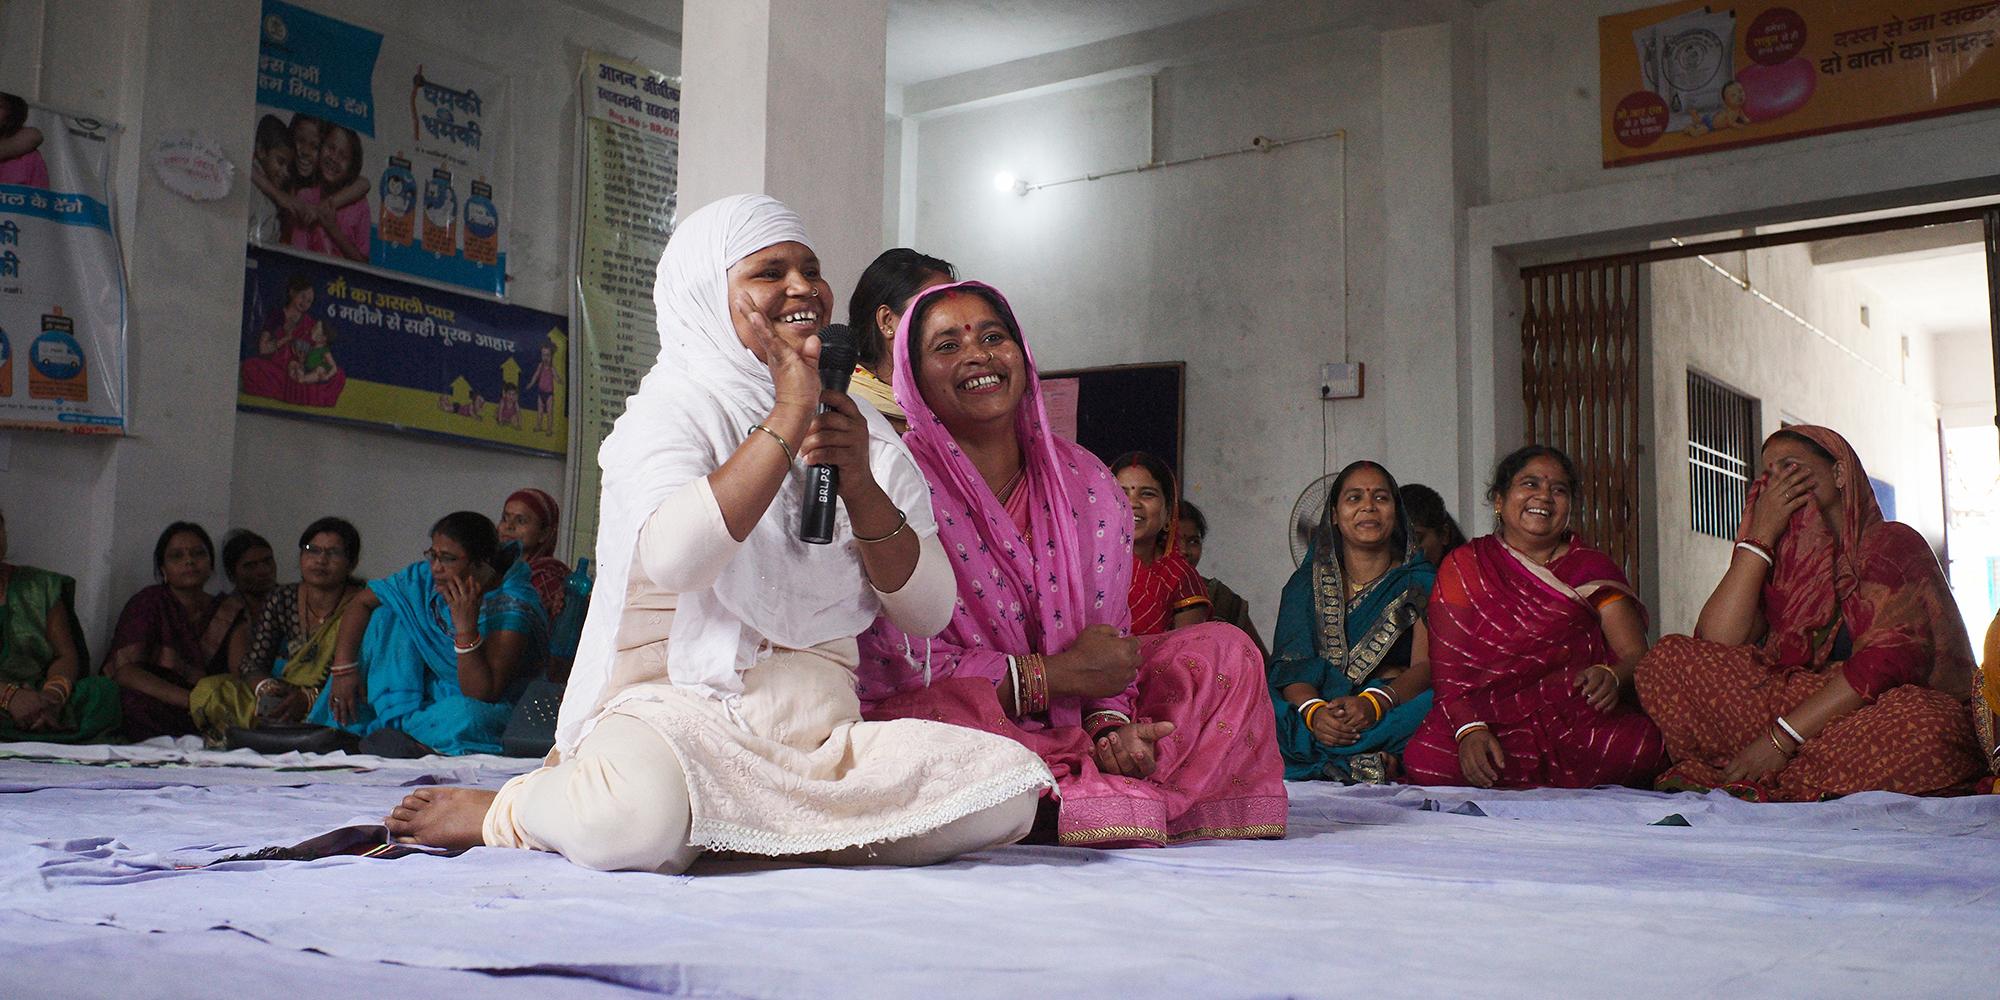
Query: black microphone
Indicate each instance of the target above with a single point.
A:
(836, 367)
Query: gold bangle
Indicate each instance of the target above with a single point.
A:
(1615, 679)
(790, 456)
(1787, 754)
(1375, 702)
(902, 521)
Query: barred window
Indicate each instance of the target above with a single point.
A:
(1722, 439)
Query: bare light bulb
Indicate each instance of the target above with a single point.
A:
(1006, 183)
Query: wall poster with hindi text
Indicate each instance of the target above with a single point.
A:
(631, 141)
(328, 342)
(62, 277)
(376, 150)
(1693, 77)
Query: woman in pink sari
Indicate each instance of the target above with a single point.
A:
(1157, 740)
(1534, 637)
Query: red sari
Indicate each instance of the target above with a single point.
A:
(1508, 640)
(1162, 589)
(1906, 654)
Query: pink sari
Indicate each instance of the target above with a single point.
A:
(1033, 591)
(1508, 639)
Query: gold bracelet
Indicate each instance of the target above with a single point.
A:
(790, 457)
(1615, 679)
(902, 521)
(1787, 754)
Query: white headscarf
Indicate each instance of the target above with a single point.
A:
(692, 411)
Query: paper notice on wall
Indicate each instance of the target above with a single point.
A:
(631, 142)
(375, 149)
(1059, 396)
(62, 285)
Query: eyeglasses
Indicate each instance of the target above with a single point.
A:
(441, 558)
(329, 551)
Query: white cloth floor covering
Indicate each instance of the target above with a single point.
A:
(1377, 892)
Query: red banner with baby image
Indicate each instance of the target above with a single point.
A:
(1692, 77)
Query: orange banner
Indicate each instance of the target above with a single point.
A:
(1685, 78)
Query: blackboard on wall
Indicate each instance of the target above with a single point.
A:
(1121, 408)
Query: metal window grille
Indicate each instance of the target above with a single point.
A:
(1580, 386)
(1721, 437)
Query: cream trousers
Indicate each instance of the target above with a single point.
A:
(620, 803)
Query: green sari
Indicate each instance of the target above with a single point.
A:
(26, 654)
(1336, 644)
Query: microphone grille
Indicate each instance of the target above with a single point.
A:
(837, 350)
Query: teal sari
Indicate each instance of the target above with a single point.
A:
(1336, 645)
(411, 669)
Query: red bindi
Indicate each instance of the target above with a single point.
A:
(968, 328)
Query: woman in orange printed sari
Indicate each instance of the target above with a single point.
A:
(1830, 659)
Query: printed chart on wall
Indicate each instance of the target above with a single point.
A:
(631, 141)
(1694, 77)
(62, 286)
(372, 149)
(328, 342)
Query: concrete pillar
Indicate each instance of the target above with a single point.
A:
(1423, 204)
(785, 97)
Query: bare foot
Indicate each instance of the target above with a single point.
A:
(441, 817)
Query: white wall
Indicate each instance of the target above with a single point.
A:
(1703, 321)
(1232, 265)
(92, 508)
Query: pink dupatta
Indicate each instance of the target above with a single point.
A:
(1017, 593)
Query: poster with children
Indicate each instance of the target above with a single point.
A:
(328, 342)
(375, 150)
(1695, 77)
(62, 283)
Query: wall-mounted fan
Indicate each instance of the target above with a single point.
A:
(1306, 514)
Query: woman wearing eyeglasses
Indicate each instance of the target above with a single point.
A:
(431, 659)
(291, 643)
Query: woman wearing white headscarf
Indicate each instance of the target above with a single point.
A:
(712, 705)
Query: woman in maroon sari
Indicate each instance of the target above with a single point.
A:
(1830, 659)
(1534, 635)
(169, 637)
(1153, 740)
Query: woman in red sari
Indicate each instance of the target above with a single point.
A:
(1156, 740)
(1534, 635)
(1167, 593)
(1830, 659)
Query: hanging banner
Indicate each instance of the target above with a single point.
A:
(379, 151)
(62, 283)
(631, 142)
(328, 342)
(1694, 77)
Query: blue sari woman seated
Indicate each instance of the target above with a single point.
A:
(432, 659)
(1350, 676)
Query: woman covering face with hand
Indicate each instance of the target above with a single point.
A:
(1830, 659)
(1154, 740)
(712, 704)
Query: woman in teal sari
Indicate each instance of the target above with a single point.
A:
(432, 659)
(1350, 672)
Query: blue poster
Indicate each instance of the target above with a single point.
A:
(371, 150)
(328, 342)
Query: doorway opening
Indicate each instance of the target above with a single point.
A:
(1661, 371)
